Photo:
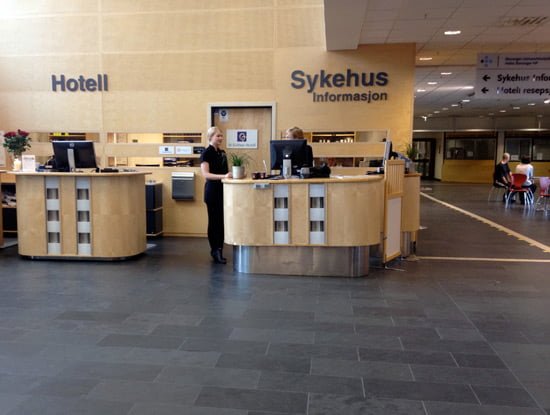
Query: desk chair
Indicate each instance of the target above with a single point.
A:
(517, 187)
(544, 194)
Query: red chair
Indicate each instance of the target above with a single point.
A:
(517, 187)
(543, 195)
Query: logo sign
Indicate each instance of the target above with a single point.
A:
(510, 76)
(62, 83)
(242, 138)
(348, 86)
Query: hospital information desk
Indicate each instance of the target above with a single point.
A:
(81, 215)
(304, 227)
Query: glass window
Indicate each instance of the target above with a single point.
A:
(470, 148)
(541, 149)
(517, 147)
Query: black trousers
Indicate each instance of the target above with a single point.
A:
(214, 204)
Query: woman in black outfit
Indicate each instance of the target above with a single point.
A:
(214, 169)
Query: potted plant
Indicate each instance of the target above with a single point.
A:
(239, 162)
(412, 154)
(16, 143)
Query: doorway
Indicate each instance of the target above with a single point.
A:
(259, 118)
(425, 160)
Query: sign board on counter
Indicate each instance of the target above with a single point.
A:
(184, 149)
(514, 75)
(242, 138)
(166, 150)
(28, 162)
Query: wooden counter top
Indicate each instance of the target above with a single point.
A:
(79, 174)
(331, 179)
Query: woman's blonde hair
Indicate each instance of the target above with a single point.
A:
(211, 132)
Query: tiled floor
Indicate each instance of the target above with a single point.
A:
(171, 333)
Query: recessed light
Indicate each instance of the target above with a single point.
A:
(531, 104)
(436, 112)
(465, 100)
(454, 105)
(491, 113)
(446, 73)
(432, 83)
(547, 101)
(468, 87)
(515, 108)
(425, 58)
(420, 90)
(445, 109)
(452, 32)
(502, 111)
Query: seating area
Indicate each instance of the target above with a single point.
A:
(517, 187)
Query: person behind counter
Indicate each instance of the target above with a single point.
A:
(214, 168)
(296, 133)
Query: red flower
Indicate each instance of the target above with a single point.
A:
(10, 134)
(22, 133)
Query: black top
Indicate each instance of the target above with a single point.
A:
(501, 174)
(216, 159)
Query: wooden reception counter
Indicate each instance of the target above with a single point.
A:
(304, 227)
(81, 215)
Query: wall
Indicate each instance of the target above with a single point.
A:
(166, 61)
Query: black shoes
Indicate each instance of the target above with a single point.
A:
(218, 257)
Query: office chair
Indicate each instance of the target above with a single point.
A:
(517, 187)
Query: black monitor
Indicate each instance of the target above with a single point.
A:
(297, 150)
(71, 155)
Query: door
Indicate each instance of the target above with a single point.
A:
(247, 118)
(425, 161)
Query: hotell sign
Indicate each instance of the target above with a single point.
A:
(63, 84)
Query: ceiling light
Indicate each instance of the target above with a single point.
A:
(452, 32)
(465, 100)
(445, 109)
(531, 104)
(454, 105)
(432, 83)
(446, 73)
(491, 113)
(502, 111)
(547, 101)
(436, 112)
(515, 108)
(420, 90)
(468, 87)
(426, 58)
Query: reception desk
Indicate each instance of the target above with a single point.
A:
(304, 227)
(81, 215)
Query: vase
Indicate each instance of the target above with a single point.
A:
(16, 164)
(238, 172)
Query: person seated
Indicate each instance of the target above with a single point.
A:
(296, 133)
(501, 175)
(525, 167)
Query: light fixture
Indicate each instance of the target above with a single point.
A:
(502, 111)
(531, 104)
(420, 90)
(465, 100)
(425, 58)
(436, 112)
(445, 109)
(491, 113)
(547, 101)
(452, 32)
(446, 73)
(432, 83)
(454, 105)
(515, 108)
(468, 87)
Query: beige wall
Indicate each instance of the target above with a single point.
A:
(167, 60)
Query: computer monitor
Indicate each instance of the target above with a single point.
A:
(71, 155)
(296, 150)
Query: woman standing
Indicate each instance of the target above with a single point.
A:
(214, 168)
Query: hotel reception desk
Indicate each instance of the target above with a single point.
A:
(81, 215)
(304, 227)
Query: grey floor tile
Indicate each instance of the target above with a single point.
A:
(47, 405)
(103, 316)
(478, 360)
(491, 395)
(421, 391)
(18, 384)
(64, 387)
(361, 340)
(365, 369)
(313, 350)
(125, 391)
(300, 382)
(474, 347)
(273, 335)
(120, 371)
(274, 401)
(9, 401)
(170, 409)
(327, 404)
(407, 356)
(452, 408)
(257, 362)
(172, 357)
(173, 330)
(147, 342)
(464, 375)
(218, 376)
(227, 346)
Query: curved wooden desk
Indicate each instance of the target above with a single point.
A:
(304, 227)
(81, 215)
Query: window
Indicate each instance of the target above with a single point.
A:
(470, 147)
(535, 145)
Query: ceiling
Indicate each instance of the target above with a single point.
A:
(495, 26)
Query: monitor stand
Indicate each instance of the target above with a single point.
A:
(70, 158)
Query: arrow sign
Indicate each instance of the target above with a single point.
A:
(484, 90)
(486, 78)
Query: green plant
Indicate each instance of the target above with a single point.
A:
(411, 152)
(17, 142)
(238, 160)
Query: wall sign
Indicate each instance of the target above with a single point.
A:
(513, 75)
(242, 138)
(62, 83)
(325, 86)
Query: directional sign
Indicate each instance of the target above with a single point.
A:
(519, 75)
